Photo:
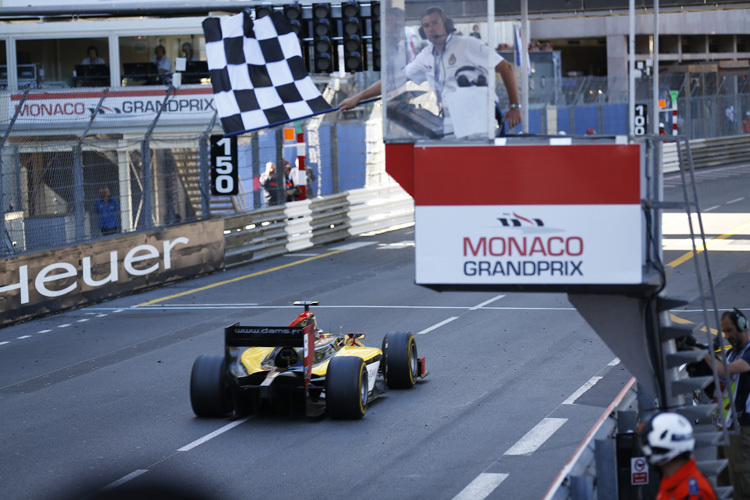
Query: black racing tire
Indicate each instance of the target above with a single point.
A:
(401, 360)
(346, 387)
(209, 392)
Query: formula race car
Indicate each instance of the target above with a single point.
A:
(301, 370)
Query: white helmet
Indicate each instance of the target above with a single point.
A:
(668, 436)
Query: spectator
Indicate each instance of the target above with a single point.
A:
(746, 123)
(93, 56)
(668, 443)
(475, 32)
(187, 52)
(163, 63)
(270, 183)
(108, 211)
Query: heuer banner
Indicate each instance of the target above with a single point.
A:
(528, 215)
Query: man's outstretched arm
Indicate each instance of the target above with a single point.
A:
(371, 91)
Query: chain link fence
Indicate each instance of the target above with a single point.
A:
(77, 166)
(80, 165)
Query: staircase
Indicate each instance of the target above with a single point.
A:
(682, 344)
(188, 167)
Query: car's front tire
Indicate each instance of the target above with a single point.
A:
(401, 359)
(209, 392)
(346, 387)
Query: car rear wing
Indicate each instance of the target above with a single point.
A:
(264, 336)
(237, 336)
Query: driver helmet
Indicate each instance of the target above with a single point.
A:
(667, 436)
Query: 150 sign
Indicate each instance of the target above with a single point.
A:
(224, 174)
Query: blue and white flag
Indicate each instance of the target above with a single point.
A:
(257, 73)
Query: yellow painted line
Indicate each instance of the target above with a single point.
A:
(240, 278)
(682, 321)
(686, 257)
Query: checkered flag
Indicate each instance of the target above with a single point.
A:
(257, 72)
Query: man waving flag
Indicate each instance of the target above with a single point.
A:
(257, 73)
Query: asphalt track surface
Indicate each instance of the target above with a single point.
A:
(97, 400)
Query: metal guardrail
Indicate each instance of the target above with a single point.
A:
(274, 231)
(710, 152)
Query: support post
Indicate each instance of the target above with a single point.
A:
(147, 195)
(255, 150)
(204, 168)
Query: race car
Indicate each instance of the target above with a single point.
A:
(301, 370)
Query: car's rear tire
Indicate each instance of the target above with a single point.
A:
(401, 359)
(209, 392)
(346, 387)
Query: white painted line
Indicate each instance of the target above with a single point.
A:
(536, 436)
(64, 325)
(486, 302)
(711, 208)
(100, 315)
(156, 307)
(396, 246)
(167, 306)
(82, 320)
(355, 245)
(434, 327)
(3, 343)
(735, 200)
(585, 387)
(481, 487)
(124, 479)
(24, 337)
(117, 311)
(215, 433)
(614, 362)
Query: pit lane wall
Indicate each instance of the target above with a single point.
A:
(48, 282)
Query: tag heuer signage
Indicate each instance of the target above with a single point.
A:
(571, 215)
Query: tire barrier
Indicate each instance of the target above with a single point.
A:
(709, 152)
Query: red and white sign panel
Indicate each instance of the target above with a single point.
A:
(522, 215)
(638, 471)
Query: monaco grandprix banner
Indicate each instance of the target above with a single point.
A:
(528, 215)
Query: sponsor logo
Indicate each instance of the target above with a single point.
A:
(515, 220)
(77, 109)
(44, 281)
(267, 330)
(510, 256)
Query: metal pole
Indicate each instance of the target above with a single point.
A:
(525, 66)
(655, 81)
(13, 120)
(147, 195)
(280, 167)
(631, 68)
(335, 181)
(203, 160)
(80, 214)
(255, 149)
(491, 40)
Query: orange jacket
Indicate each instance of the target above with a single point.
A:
(688, 483)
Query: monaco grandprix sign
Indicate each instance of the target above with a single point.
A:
(538, 215)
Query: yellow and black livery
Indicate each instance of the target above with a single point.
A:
(301, 370)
